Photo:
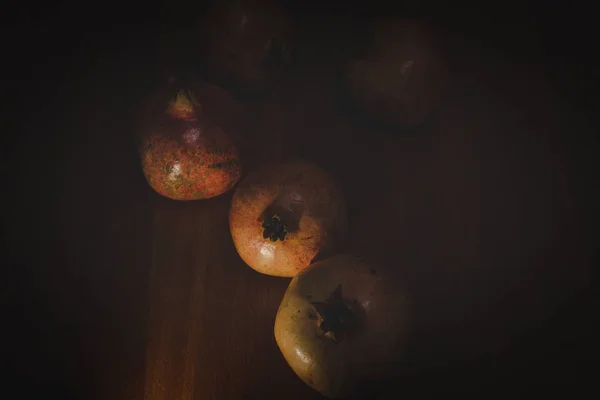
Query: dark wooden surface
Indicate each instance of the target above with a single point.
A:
(487, 211)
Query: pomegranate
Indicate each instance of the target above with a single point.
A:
(245, 45)
(284, 216)
(184, 154)
(399, 80)
(340, 324)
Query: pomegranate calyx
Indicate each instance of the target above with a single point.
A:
(336, 319)
(184, 106)
(274, 228)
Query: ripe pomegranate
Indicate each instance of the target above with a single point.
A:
(400, 77)
(340, 324)
(285, 215)
(184, 154)
(244, 45)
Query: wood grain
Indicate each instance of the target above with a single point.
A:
(205, 305)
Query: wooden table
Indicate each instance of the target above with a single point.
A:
(485, 210)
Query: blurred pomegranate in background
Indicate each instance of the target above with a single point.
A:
(244, 45)
(399, 77)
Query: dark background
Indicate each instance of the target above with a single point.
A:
(56, 347)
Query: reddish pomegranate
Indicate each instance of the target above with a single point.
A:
(285, 216)
(184, 154)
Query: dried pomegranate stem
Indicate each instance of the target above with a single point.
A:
(336, 319)
(184, 106)
(274, 228)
